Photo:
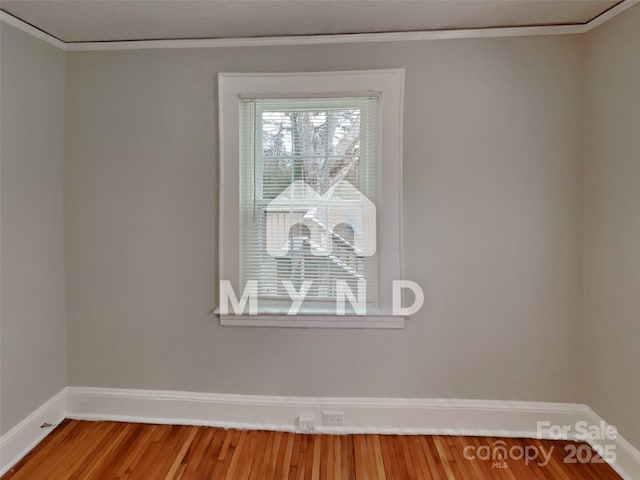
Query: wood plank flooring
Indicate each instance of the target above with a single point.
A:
(112, 450)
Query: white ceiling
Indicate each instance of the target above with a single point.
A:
(104, 20)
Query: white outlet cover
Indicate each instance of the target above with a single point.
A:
(332, 419)
(306, 422)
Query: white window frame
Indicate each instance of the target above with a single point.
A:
(389, 84)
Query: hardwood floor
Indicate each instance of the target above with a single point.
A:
(111, 450)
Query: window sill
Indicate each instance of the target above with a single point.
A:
(313, 321)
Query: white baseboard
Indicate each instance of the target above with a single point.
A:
(627, 462)
(18, 441)
(361, 415)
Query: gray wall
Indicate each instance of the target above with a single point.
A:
(33, 364)
(612, 255)
(493, 216)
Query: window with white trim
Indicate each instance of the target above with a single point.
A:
(310, 196)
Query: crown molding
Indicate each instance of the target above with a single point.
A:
(31, 30)
(524, 31)
(609, 14)
(331, 39)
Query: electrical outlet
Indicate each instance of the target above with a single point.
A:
(332, 419)
(306, 423)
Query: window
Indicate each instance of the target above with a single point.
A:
(304, 212)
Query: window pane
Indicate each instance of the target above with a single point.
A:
(320, 147)
(310, 158)
(277, 175)
(276, 134)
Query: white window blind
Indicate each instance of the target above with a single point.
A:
(309, 183)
